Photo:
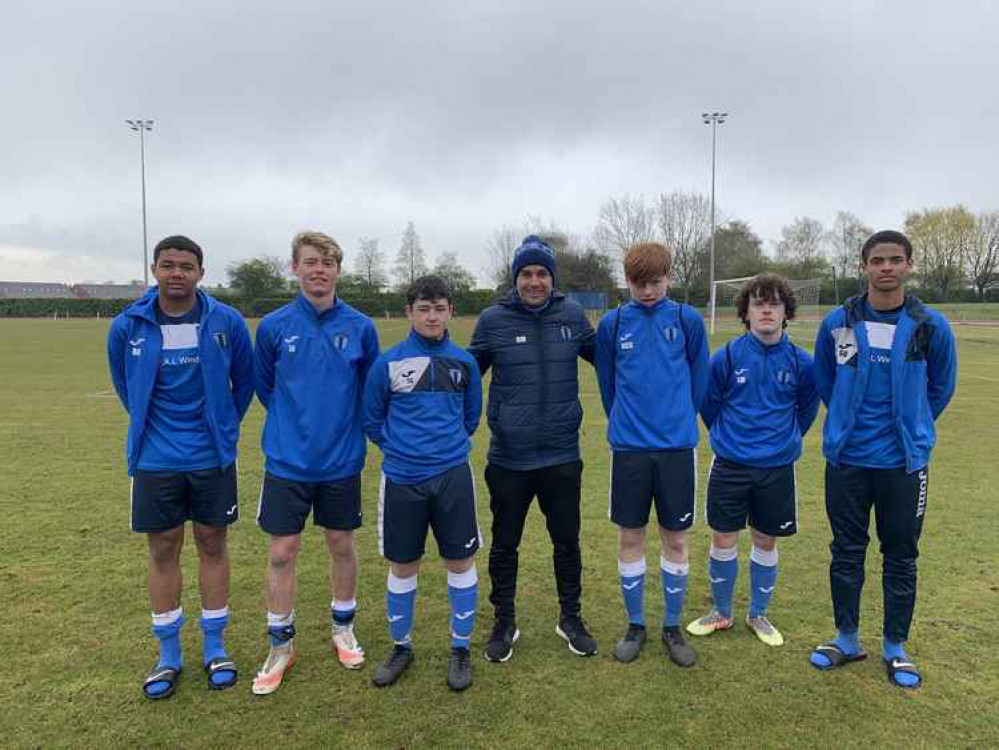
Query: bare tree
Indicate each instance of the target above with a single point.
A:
(624, 222)
(801, 241)
(943, 238)
(983, 255)
(370, 264)
(410, 261)
(500, 249)
(846, 237)
(685, 227)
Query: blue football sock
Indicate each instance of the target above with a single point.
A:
(463, 593)
(723, 570)
(892, 650)
(674, 581)
(166, 628)
(400, 601)
(762, 579)
(633, 589)
(848, 643)
(342, 612)
(213, 624)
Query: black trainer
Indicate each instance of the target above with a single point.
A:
(680, 652)
(500, 644)
(628, 647)
(459, 669)
(573, 629)
(396, 663)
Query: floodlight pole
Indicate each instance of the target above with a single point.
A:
(714, 119)
(142, 126)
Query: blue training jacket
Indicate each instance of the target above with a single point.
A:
(422, 402)
(923, 375)
(134, 347)
(761, 400)
(309, 372)
(652, 368)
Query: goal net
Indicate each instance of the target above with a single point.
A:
(806, 292)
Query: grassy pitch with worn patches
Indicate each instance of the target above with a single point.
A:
(76, 642)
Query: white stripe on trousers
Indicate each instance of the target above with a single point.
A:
(381, 516)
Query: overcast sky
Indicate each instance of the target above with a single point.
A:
(355, 118)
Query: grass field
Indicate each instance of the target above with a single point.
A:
(75, 618)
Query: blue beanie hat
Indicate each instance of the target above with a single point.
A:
(533, 251)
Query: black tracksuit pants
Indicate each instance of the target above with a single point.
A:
(510, 495)
(899, 501)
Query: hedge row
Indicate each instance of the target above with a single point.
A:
(469, 303)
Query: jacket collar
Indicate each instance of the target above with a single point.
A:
(756, 345)
(307, 308)
(145, 306)
(429, 345)
(911, 306)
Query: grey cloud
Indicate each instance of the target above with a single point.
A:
(460, 115)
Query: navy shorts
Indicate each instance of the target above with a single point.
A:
(285, 504)
(766, 498)
(444, 503)
(163, 500)
(669, 478)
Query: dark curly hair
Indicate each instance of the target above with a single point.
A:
(768, 286)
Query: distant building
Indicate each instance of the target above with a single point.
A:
(108, 291)
(36, 289)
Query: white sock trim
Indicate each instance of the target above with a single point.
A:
(167, 618)
(277, 620)
(463, 580)
(348, 605)
(214, 614)
(631, 569)
(676, 569)
(724, 554)
(763, 557)
(401, 585)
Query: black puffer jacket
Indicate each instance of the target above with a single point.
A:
(534, 411)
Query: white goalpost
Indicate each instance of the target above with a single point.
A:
(806, 293)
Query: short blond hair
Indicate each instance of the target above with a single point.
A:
(326, 245)
(647, 261)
